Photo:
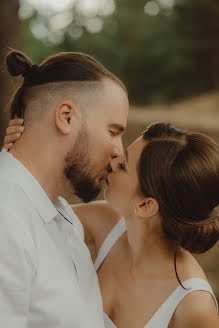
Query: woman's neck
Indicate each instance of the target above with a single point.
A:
(149, 248)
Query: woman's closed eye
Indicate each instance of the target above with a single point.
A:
(121, 166)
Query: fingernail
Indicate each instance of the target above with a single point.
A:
(10, 144)
(21, 120)
(21, 128)
(18, 134)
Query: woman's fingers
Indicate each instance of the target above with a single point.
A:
(13, 132)
(16, 121)
(7, 146)
(14, 129)
(12, 138)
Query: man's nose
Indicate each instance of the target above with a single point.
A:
(118, 149)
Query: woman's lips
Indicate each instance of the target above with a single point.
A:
(107, 181)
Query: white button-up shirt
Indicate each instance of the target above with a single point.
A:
(47, 278)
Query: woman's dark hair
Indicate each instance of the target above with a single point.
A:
(181, 171)
(61, 67)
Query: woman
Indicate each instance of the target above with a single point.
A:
(166, 189)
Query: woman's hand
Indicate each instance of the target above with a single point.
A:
(13, 132)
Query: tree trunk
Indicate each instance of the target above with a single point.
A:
(9, 32)
(215, 43)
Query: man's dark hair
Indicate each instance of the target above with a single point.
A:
(61, 67)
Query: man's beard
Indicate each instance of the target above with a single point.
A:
(78, 169)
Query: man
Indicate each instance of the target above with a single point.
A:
(75, 112)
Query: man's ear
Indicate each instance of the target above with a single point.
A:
(66, 116)
(147, 207)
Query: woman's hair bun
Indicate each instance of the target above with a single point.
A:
(200, 238)
(18, 63)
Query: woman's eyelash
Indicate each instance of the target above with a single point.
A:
(121, 166)
(114, 133)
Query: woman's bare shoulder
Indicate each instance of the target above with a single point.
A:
(97, 210)
(200, 310)
(99, 218)
(188, 267)
(199, 306)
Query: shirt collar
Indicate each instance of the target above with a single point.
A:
(13, 170)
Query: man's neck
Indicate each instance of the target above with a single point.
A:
(43, 164)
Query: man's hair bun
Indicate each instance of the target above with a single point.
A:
(18, 63)
(58, 68)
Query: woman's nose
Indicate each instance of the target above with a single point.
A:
(114, 163)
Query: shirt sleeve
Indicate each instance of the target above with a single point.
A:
(16, 271)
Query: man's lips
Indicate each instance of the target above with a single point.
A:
(105, 176)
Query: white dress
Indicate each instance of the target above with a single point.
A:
(163, 315)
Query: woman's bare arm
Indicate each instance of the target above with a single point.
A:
(98, 218)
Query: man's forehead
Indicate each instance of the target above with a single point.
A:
(115, 96)
(113, 109)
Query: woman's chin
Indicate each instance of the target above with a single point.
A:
(111, 200)
(108, 195)
(105, 193)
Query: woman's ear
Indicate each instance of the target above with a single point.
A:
(66, 115)
(147, 207)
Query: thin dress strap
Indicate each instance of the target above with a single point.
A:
(163, 316)
(110, 240)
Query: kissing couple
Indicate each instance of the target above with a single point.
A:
(65, 136)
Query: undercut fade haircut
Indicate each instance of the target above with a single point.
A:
(59, 68)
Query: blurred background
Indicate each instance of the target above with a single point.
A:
(165, 51)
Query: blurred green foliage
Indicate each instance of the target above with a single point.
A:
(161, 58)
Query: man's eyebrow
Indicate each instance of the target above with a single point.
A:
(119, 127)
(127, 155)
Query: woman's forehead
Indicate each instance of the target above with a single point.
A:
(135, 149)
(137, 145)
